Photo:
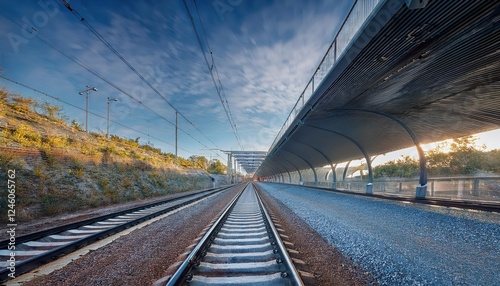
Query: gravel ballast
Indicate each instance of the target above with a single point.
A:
(401, 244)
(143, 256)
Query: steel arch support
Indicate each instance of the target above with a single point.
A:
(422, 183)
(286, 170)
(277, 172)
(334, 176)
(329, 162)
(307, 162)
(270, 171)
(345, 170)
(298, 171)
(369, 185)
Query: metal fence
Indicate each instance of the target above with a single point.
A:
(462, 188)
(359, 13)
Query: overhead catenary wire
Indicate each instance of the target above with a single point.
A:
(114, 51)
(25, 26)
(90, 112)
(211, 68)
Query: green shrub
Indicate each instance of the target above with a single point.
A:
(77, 126)
(77, 168)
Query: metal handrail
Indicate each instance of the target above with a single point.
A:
(360, 11)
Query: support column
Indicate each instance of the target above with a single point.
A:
(229, 167)
(422, 183)
(345, 170)
(369, 185)
(298, 171)
(286, 170)
(328, 161)
(334, 175)
(309, 164)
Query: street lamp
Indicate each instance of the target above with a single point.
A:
(87, 91)
(109, 101)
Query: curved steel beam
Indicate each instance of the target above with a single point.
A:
(286, 170)
(329, 162)
(263, 171)
(307, 162)
(345, 170)
(275, 171)
(270, 171)
(369, 186)
(298, 171)
(334, 174)
(422, 187)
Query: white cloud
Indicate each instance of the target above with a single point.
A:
(264, 61)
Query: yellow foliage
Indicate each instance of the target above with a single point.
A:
(26, 136)
(57, 142)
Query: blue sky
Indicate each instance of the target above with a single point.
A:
(265, 52)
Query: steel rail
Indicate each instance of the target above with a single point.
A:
(41, 259)
(287, 260)
(195, 254)
(188, 269)
(43, 233)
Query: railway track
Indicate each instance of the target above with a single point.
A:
(242, 247)
(35, 249)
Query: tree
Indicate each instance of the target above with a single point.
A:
(438, 160)
(465, 157)
(404, 167)
(199, 161)
(491, 161)
(216, 167)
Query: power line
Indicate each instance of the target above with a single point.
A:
(107, 44)
(90, 112)
(211, 68)
(230, 116)
(51, 44)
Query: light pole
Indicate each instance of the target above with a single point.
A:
(148, 131)
(87, 91)
(109, 101)
(176, 139)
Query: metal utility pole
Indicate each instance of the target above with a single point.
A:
(229, 167)
(176, 124)
(87, 91)
(109, 101)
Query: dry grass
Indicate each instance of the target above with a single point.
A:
(61, 169)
